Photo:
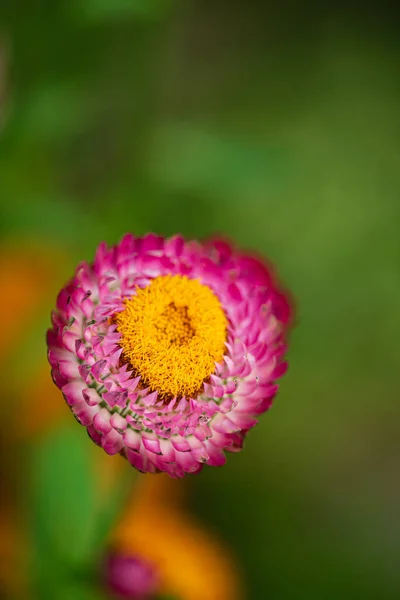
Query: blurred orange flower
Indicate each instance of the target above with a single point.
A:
(191, 563)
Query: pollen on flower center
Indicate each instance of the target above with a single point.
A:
(174, 325)
(172, 334)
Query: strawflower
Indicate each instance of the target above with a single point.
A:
(167, 351)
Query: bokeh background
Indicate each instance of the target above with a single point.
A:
(278, 126)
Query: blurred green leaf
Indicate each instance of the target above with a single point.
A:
(77, 590)
(111, 505)
(70, 522)
(60, 582)
(63, 495)
(69, 586)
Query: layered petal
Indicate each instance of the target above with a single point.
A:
(107, 394)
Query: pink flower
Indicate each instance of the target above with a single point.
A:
(130, 577)
(167, 351)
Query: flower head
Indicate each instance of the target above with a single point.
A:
(167, 350)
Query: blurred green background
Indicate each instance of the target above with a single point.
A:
(277, 126)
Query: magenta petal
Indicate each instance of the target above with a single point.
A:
(101, 421)
(118, 398)
(180, 444)
(112, 442)
(91, 396)
(118, 423)
(73, 392)
(132, 439)
(136, 460)
(98, 369)
(152, 445)
(94, 435)
(167, 450)
(216, 456)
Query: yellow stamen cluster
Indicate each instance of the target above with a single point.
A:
(172, 334)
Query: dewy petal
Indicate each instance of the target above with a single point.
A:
(121, 412)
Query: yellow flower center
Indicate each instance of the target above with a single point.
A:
(172, 334)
